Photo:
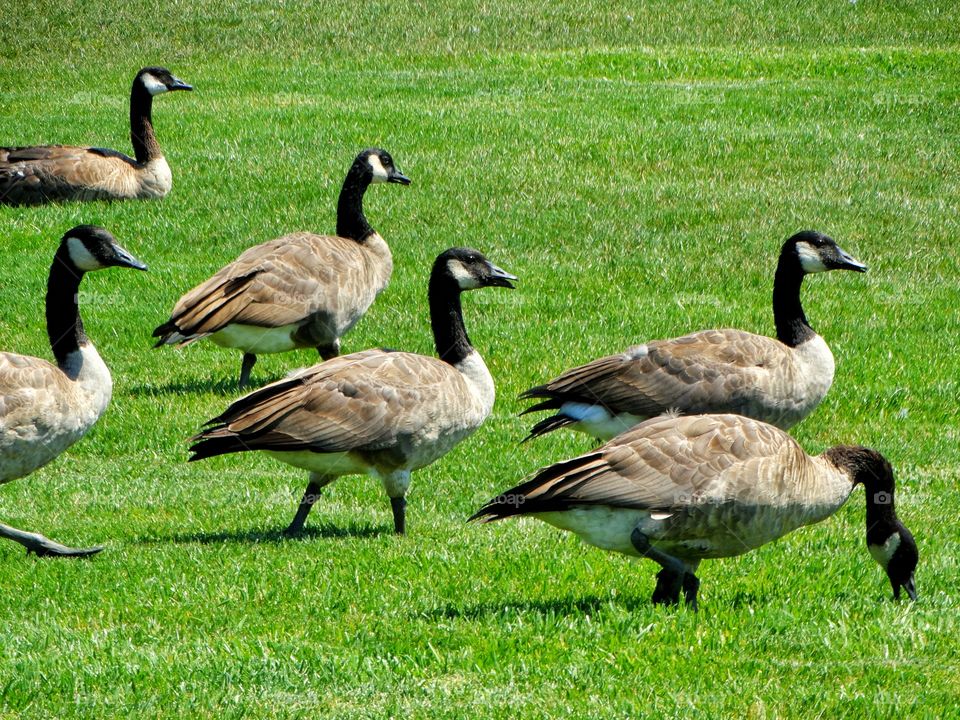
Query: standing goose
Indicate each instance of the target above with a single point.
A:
(300, 290)
(44, 408)
(779, 381)
(50, 173)
(678, 490)
(379, 412)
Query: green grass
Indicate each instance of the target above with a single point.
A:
(638, 168)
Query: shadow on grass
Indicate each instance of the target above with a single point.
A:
(353, 530)
(559, 606)
(222, 386)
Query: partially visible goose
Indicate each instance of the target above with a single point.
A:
(379, 412)
(779, 381)
(49, 173)
(44, 408)
(298, 291)
(678, 490)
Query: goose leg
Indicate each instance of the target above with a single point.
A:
(399, 507)
(674, 577)
(310, 496)
(667, 591)
(249, 360)
(396, 484)
(691, 583)
(44, 547)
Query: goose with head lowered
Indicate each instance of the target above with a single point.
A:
(51, 173)
(45, 408)
(298, 291)
(377, 412)
(778, 380)
(681, 489)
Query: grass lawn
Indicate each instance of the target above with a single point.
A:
(638, 166)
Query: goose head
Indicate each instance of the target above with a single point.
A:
(816, 252)
(468, 269)
(157, 80)
(89, 248)
(898, 556)
(376, 166)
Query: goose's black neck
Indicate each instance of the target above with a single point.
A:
(875, 473)
(351, 222)
(446, 318)
(792, 326)
(64, 326)
(142, 137)
(882, 520)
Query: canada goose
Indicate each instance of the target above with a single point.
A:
(779, 381)
(300, 290)
(681, 489)
(50, 173)
(44, 408)
(380, 412)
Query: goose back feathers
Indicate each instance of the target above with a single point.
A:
(779, 381)
(50, 173)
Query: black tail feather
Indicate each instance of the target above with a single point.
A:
(548, 425)
(516, 501)
(163, 332)
(550, 404)
(218, 445)
(538, 391)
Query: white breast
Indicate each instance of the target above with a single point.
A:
(480, 382)
(808, 383)
(156, 179)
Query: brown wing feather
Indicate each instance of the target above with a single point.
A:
(274, 284)
(363, 401)
(29, 389)
(660, 464)
(710, 371)
(31, 175)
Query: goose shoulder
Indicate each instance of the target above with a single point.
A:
(31, 389)
(43, 411)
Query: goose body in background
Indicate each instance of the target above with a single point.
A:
(50, 173)
(682, 489)
(777, 380)
(378, 412)
(298, 291)
(45, 408)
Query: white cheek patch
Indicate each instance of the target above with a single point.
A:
(809, 258)
(152, 84)
(462, 275)
(883, 553)
(380, 173)
(81, 257)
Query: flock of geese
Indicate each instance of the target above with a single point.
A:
(696, 463)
